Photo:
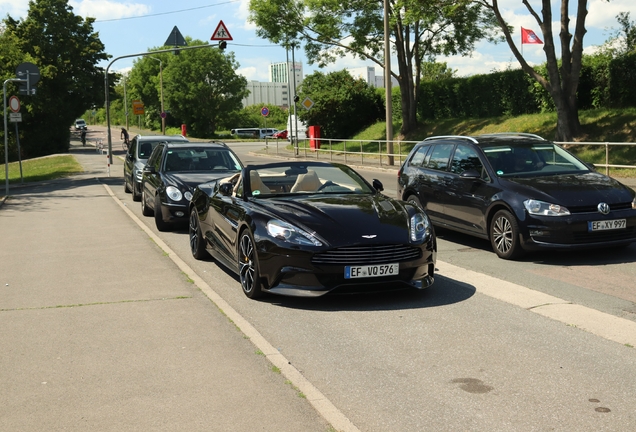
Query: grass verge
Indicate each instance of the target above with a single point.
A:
(41, 169)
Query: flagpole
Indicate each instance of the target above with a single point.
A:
(521, 34)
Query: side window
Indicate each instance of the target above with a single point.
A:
(440, 156)
(155, 157)
(419, 156)
(132, 149)
(466, 158)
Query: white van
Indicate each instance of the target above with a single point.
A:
(253, 132)
(291, 128)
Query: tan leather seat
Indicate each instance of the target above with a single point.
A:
(308, 182)
(256, 184)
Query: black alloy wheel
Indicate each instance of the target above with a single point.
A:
(197, 244)
(248, 266)
(504, 235)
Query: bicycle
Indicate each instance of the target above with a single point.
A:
(125, 144)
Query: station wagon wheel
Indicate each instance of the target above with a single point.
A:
(415, 201)
(145, 209)
(248, 266)
(197, 244)
(504, 235)
(135, 195)
(161, 224)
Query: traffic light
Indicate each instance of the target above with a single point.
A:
(222, 45)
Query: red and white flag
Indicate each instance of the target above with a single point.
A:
(529, 37)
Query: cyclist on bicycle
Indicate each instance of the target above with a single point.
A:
(83, 137)
(124, 136)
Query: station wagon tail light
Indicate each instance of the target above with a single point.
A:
(542, 208)
(420, 227)
(288, 232)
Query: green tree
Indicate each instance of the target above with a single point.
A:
(66, 50)
(343, 105)
(563, 75)
(435, 71)
(419, 29)
(200, 87)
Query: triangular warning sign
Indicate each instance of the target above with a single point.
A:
(221, 33)
(175, 38)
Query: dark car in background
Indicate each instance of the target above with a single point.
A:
(172, 172)
(139, 150)
(309, 228)
(519, 191)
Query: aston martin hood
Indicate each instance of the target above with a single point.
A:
(364, 218)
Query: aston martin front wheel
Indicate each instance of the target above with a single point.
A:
(248, 266)
(197, 245)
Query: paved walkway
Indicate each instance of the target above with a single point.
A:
(102, 331)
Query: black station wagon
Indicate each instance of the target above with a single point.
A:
(519, 191)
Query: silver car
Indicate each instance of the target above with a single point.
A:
(138, 153)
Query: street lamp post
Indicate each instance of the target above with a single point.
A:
(107, 88)
(163, 116)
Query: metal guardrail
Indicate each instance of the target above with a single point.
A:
(382, 158)
(349, 156)
(607, 145)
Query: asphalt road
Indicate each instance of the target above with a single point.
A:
(600, 279)
(463, 355)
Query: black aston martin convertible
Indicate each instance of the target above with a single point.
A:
(309, 228)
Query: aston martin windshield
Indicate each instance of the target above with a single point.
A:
(282, 179)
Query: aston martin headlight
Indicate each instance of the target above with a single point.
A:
(173, 193)
(541, 208)
(288, 232)
(420, 227)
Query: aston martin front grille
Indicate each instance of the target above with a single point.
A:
(380, 254)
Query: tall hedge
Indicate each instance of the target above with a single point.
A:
(605, 83)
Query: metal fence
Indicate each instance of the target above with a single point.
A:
(381, 157)
(607, 146)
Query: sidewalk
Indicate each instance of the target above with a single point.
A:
(101, 331)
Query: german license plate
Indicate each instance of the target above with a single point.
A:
(603, 225)
(352, 272)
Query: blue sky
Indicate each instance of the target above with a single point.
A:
(134, 26)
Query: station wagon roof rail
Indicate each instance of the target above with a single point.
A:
(452, 137)
(514, 134)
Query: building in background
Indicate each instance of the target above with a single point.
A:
(283, 72)
(268, 93)
(368, 75)
(278, 91)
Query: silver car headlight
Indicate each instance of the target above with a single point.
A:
(420, 227)
(288, 232)
(173, 193)
(542, 208)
